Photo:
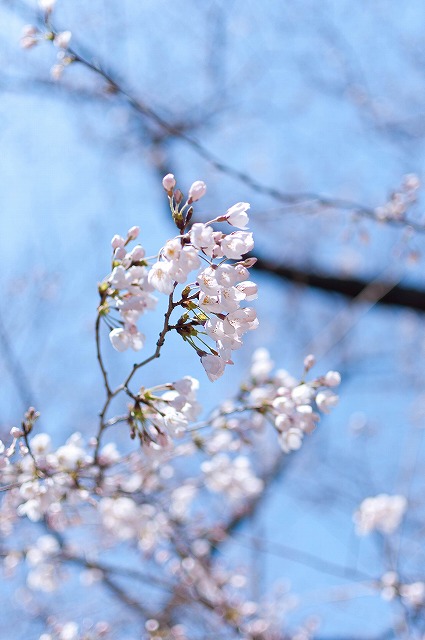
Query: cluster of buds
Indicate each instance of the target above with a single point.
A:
(411, 594)
(400, 200)
(127, 291)
(32, 35)
(72, 631)
(211, 303)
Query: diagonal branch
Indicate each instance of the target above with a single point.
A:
(116, 87)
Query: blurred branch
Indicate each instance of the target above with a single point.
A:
(385, 293)
(115, 86)
(16, 370)
(307, 559)
(222, 531)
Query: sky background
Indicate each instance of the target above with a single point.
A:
(321, 97)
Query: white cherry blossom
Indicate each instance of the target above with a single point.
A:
(380, 513)
(236, 244)
(160, 277)
(237, 215)
(214, 366)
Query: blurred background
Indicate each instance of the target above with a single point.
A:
(313, 113)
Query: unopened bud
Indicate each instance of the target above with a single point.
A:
(309, 362)
(411, 182)
(56, 71)
(332, 379)
(133, 233)
(117, 241)
(169, 182)
(119, 253)
(46, 5)
(248, 263)
(27, 42)
(137, 253)
(62, 40)
(197, 190)
(29, 31)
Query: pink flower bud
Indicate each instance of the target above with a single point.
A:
(197, 190)
(56, 71)
(117, 241)
(27, 42)
(133, 233)
(16, 433)
(178, 196)
(62, 40)
(332, 379)
(119, 253)
(411, 182)
(138, 253)
(249, 262)
(29, 36)
(169, 182)
(29, 30)
(47, 5)
(309, 361)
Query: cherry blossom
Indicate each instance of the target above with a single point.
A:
(380, 513)
(179, 466)
(214, 366)
(237, 215)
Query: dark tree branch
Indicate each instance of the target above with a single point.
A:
(397, 295)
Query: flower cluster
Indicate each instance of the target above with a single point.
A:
(157, 499)
(279, 398)
(72, 631)
(381, 513)
(125, 520)
(211, 304)
(32, 35)
(126, 290)
(412, 594)
(231, 476)
(135, 499)
(400, 201)
(163, 412)
(42, 479)
(43, 574)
